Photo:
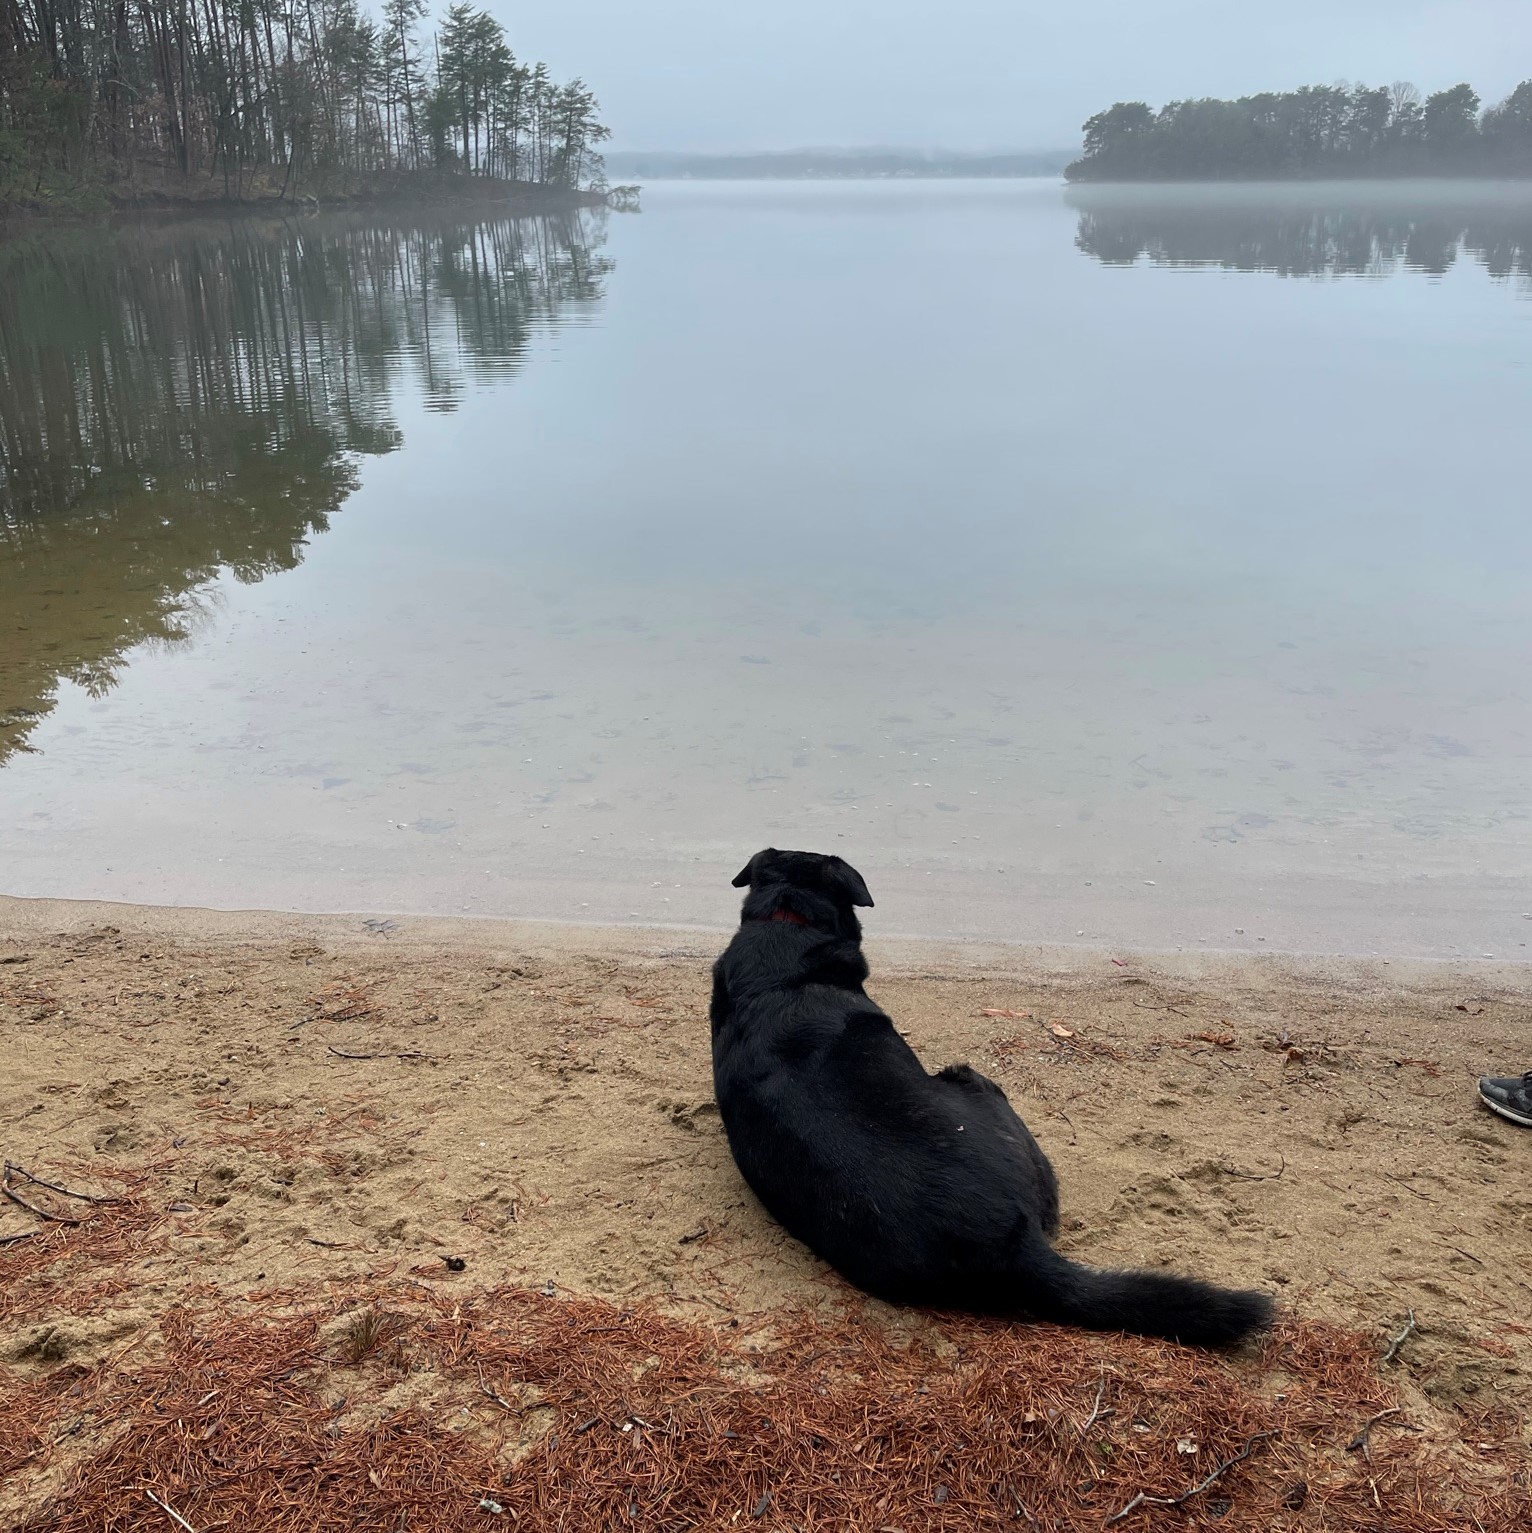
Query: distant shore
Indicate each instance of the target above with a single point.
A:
(835, 165)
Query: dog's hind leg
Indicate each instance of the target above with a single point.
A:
(1046, 1182)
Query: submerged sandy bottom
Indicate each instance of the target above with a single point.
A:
(322, 1102)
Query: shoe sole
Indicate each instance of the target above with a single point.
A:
(1508, 1113)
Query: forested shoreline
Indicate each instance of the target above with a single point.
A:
(124, 101)
(1314, 132)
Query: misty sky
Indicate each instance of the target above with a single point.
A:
(976, 74)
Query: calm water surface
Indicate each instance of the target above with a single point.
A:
(1123, 567)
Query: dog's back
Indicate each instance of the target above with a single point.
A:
(846, 1139)
(918, 1188)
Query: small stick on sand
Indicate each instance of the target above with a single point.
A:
(347, 1054)
(1141, 1499)
(1423, 1196)
(32, 1208)
(42, 1181)
(1398, 1341)
(1256, 1176)
(1361, 1438)
(505, 1405)
(166, 1507)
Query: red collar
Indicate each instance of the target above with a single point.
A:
(790, 916)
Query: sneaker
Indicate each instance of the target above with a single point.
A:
(1510, 1096)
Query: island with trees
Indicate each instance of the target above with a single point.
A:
(107, 102)
(1319, 131)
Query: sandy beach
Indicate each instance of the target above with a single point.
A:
(302, 1108)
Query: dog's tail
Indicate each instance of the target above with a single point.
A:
(1147, 1303)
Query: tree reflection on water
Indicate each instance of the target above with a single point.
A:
(181, 402)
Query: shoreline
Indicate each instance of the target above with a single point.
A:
(896, 952)
(514, 199)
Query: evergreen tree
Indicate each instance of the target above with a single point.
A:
(273, 96)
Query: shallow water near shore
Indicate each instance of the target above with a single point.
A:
(1111, 566)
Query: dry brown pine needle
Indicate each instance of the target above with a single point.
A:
(72, 1267)
(575, 1415)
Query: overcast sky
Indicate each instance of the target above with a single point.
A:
(977, 74)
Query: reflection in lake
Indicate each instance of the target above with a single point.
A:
(1329, 231)
(1130, 604)
(182, 401)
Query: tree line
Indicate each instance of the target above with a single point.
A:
(1319, 130)
(274, 98)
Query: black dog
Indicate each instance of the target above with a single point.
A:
(921, 1189)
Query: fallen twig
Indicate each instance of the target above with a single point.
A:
(1022, 1510)
(405, 1054)
(1142, 1499)
(10, 1169)
(1096, 1413)
(1423, 1196)
(815, 1357)
(1255, 1176)
(504, 1404)
(1361, 1438)
(167, 1508)
(1398, 1341)
(42, 1181)
(32, 1208)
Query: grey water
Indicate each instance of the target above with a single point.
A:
(1130, 567)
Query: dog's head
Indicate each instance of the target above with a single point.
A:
(809, 888)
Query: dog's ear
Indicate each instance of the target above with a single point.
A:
(747, 874)
(842, 879)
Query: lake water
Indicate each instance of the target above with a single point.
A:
(1121, 567)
